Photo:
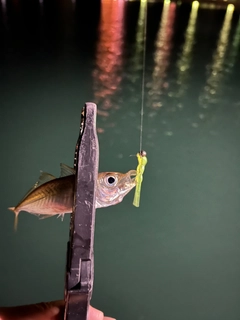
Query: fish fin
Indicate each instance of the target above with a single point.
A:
(44, 216)
(44, 177)
(66, 170)
(30, 190)
(61, 215)
(16, 217)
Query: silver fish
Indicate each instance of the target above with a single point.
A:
(54, 196)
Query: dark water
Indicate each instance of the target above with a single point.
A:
(177, 256)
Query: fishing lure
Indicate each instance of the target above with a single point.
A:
(142, 161)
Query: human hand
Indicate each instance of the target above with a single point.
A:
(53, 310)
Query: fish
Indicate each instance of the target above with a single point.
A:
(142, 161)
(55, 196)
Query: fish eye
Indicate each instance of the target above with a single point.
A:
(111, 180)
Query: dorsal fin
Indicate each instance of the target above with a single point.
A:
(44, 177)
(66, 170)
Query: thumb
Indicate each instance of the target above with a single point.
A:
(40, 311)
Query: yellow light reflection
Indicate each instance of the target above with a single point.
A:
(141, 26)
(212, 88)
(184, 62)
(163, 47)
(230, 8)
(107, 75)
(137, 61)
(235, 43)
(195, 5)
(233, 52)
(140, 40)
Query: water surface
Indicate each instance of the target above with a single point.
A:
(177, 256)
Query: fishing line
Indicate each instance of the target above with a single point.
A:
(143, 71)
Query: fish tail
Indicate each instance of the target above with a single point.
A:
(16, 217)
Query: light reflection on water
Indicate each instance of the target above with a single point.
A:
(140, 38)
(107, 75)
(234, 49)
(3, 4)
(216, 70)
(163, 91)
(162, 53)
(185, 59)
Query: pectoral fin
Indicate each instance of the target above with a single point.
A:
(44, 216)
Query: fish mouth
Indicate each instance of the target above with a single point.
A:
(132, 173)
(129, 181)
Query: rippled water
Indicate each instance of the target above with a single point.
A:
(177, 256)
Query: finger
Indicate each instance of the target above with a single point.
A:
(95, 314)
(53, 310)
(57, 309)
(40, 311)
